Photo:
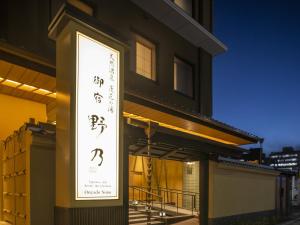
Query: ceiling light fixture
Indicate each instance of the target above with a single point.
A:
(10, 83)
(41, 91)
(26, 87)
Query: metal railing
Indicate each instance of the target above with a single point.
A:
(166, 197)
(143, 192)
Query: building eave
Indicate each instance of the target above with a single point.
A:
(180, 22)
(206, 127)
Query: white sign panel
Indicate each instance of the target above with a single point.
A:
(97, 120)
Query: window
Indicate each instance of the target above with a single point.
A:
(145, 58)
(189, 170)
(183, 77)
(186, 5)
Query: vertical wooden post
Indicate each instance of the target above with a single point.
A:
(204, 189)
(1, 180)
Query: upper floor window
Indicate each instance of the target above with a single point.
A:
(183, 77)
(145, 58)
(186, 5)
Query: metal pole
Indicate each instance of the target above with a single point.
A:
(192, 205)
(164, 200)
(152, 200)
(177, 201)
(133, 194)
(149, 173)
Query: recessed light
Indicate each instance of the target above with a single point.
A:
(41, 91)
(52, 95)
(26, 87)
(11, 83)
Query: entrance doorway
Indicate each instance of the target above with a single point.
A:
(174, 189)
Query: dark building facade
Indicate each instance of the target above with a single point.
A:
(288, 159)
(165, 48)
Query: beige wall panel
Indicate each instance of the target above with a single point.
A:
(235, 190)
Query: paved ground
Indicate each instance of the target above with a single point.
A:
(294, 222)
(189, 222)
(295, 218)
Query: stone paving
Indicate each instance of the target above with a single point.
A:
(295, 219)
(294, 222)
(189, 222)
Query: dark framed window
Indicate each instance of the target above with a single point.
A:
(186, 5)
(183, 77)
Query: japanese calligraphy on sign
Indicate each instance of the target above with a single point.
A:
(97, 120)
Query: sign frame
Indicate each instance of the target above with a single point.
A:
(118, 46)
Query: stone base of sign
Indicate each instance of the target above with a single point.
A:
(91, 216)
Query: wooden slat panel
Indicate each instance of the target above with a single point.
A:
(51, 111)
(9, 218)
(20, 183)
(20, 220)
(21, 205)
(29, 77)
(9, 202)
(8, 167)
(16, 73)
(24, 94)
(5, 67)
(45, 82)
(20, 162)
(8, 184)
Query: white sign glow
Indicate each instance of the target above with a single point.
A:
(97, 120)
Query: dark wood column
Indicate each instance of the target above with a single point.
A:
(204, 191)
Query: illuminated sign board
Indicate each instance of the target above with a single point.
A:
(97, 120)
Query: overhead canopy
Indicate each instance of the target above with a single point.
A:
(209, 131)
(176, 19)
(19, 81)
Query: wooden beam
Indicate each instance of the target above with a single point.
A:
(140, 150)
(170, 153)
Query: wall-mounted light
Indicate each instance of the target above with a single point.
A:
(26, 87)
